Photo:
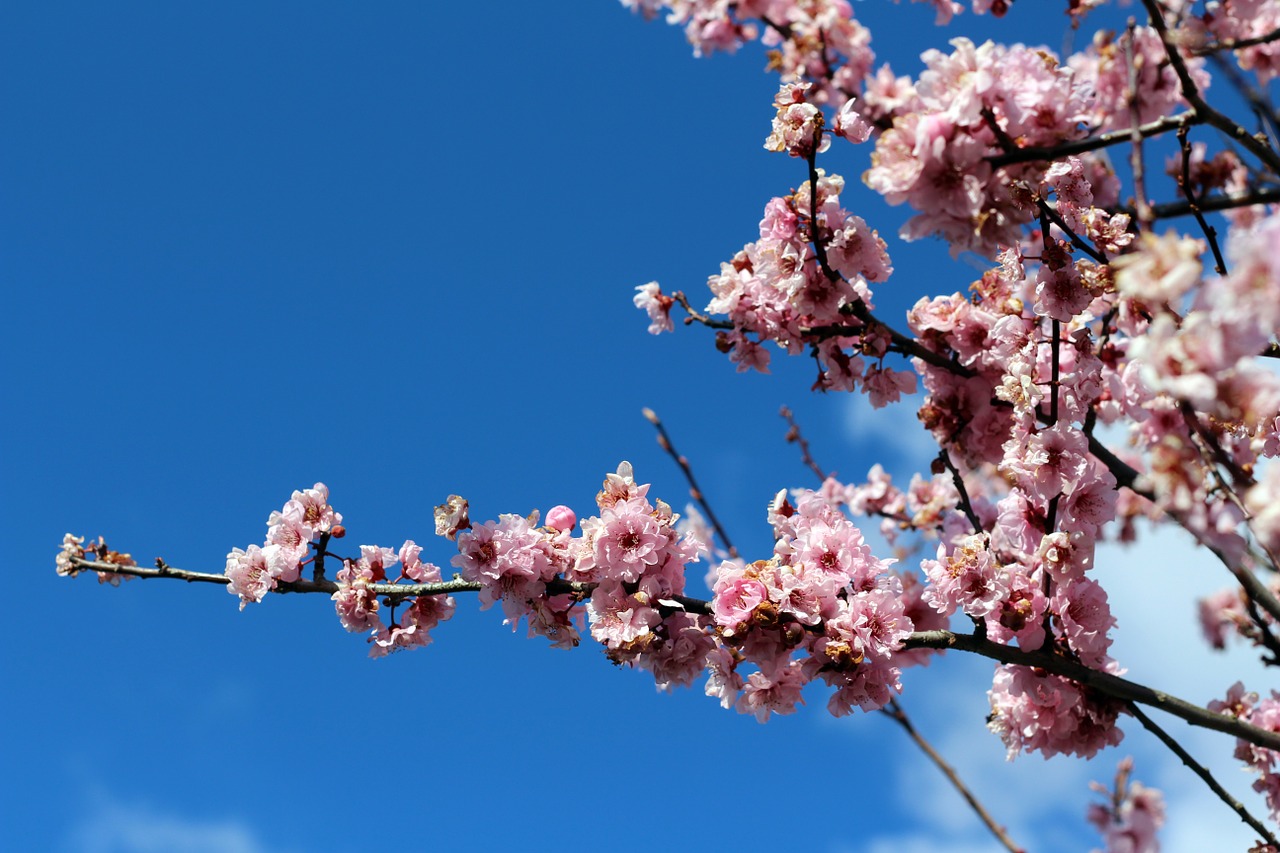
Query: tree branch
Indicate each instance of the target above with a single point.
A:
(1105, 683)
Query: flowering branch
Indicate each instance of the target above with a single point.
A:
(1110, 685)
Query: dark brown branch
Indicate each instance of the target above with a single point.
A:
(1105, 683)
(695, 491)
(894, 712)
(1076, 240)
(698, 316)
(1203, 772)
(1034, 154)
(1184, 184)
(965, 504)
(1211, 204)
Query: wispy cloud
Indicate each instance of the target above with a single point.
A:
(902, 444)
(114, 825)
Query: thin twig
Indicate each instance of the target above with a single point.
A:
(1203, 772)
(965, 504)
(1140, 200)
(695, 491)
(894, 712)
(1236, 44)
(1184, 184)
(794, 435)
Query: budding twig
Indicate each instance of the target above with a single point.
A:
(794, 435)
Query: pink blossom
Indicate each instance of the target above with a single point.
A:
(70, 549)
(451, 517)
(679, 653)
(413, 629)
(355, 603)
(969, 579)
(412, 567)
(1049, 714)
(723, 680)
(620, 620)
(652, 300)
(310, 508)
(774, 692)
(253, 573)
(738, 592)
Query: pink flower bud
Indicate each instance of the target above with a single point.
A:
(561, 518)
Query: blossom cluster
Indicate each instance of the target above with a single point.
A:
(255, 571)
(308, 521)
(74, 548)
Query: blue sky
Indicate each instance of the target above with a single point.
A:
(392, 247)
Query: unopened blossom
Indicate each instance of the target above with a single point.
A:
(561, 518)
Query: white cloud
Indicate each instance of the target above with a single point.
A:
(902, 444)
(116, 826)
